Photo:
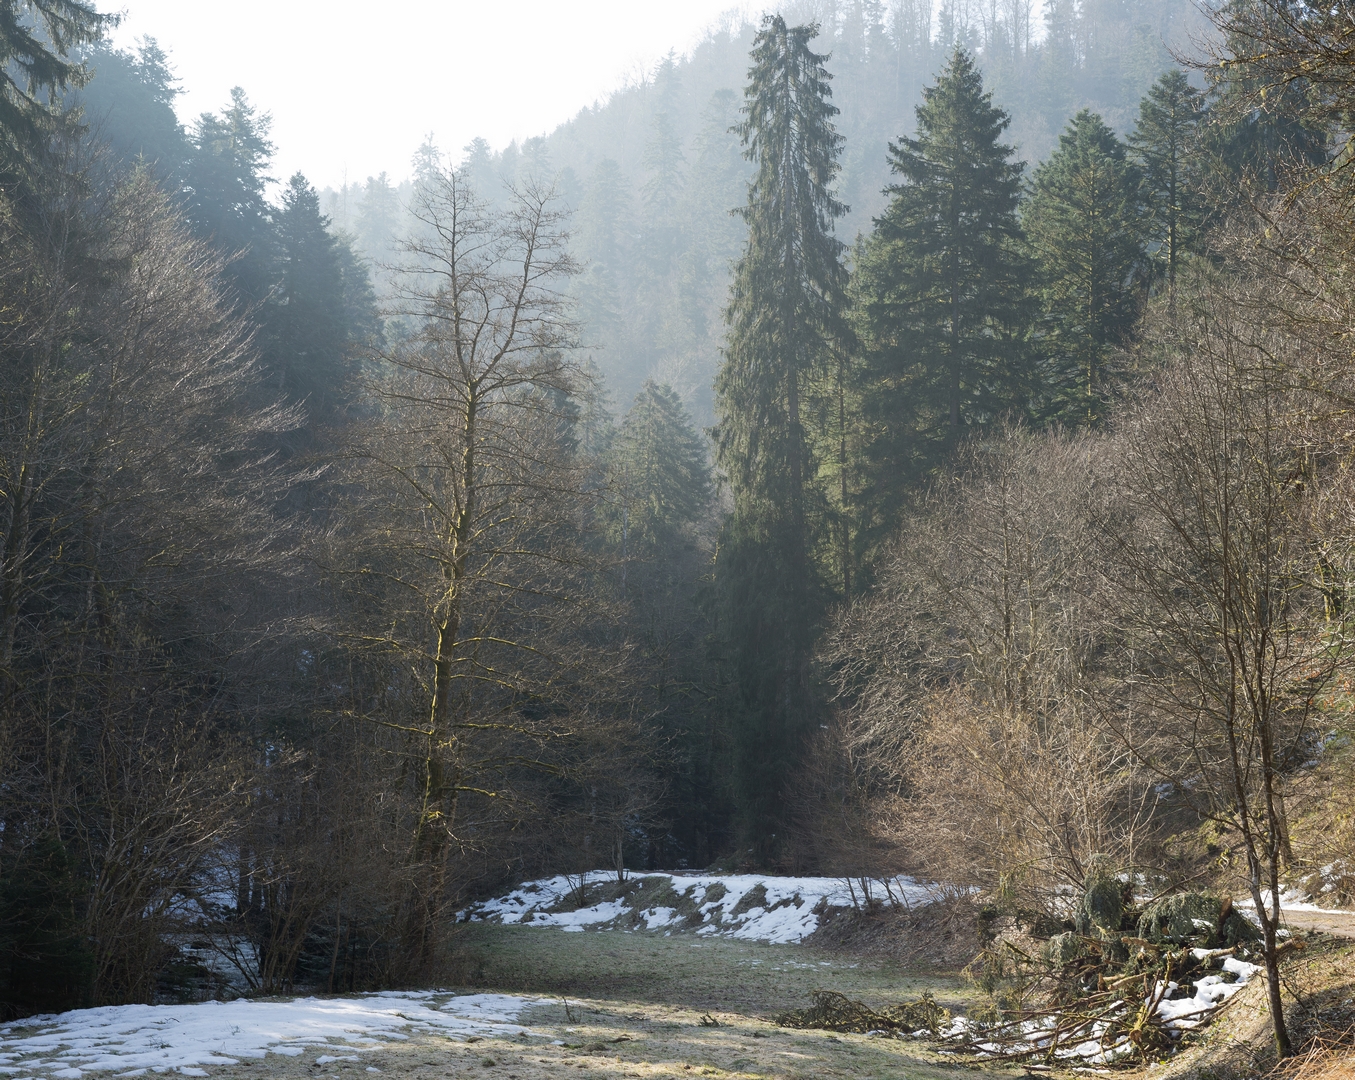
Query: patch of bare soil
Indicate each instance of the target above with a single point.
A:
(1337, 923)
(943, 935)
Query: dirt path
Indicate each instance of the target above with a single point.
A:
(1338, 923)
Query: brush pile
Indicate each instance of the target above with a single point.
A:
(1124, 982)
(1117, 983)
(832, 1011)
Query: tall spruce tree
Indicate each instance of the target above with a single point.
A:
(1084, 229)
(942, 282)
(784, 318)
(1167, 144)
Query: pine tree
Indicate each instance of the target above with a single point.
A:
(942, 281)
(1082, 220)
(1167, 144)
(784, 318)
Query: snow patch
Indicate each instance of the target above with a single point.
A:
(133, 1038)
(788, 913)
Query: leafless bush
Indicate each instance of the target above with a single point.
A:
(966, 680)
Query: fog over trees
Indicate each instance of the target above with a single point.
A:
(888, 438)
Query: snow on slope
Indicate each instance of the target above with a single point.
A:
(786, 910)
(131, 1039)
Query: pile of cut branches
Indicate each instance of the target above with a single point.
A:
(1119, 982)
(832, 1011)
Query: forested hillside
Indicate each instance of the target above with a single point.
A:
(655, 172)
(882, 441)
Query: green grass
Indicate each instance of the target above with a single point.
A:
(752, 978)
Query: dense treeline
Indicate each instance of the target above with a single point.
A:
(332, 589)
(315, 614)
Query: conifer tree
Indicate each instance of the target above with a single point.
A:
(227, 175)
(312, 325)
(784, 317)
(664, 162)
(36, 41)
(605, 224)
(942, 280)
(378, 218)
(1167, 143)
(1082, 220)
(129, 103)
(657, 472)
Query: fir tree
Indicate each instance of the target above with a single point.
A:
(605, 222)
(312, 325)
(664, 162)
(657, 472)
(129, 103)
(784, 317)
(942, 281)
(378, 218)
(36, 40)
(1167, 143)
(1082, 220)
(227, 175)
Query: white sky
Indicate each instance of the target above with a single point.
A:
(354, 87)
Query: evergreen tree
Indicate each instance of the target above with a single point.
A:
(1268, 107)
(664, 163)
(322, 307)
(784, 318)
(1083, 224)
(714, 240)
(36, 41)
(657, 472)
(129, 105)
(1167, 144)
(942, 281)
(378, 218)
(227, 174)
(477, 164)
(605, 221)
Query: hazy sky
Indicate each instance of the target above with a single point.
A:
(354, 88)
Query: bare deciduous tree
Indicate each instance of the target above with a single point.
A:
(472, 537)
(1216, 553)
(966, 677)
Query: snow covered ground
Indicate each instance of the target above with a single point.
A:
(786, 910)
(130, 1040)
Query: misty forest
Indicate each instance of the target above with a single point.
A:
(889, 439)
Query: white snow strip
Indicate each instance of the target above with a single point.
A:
(127, 1038)
(1290, 900)
(787, 914)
